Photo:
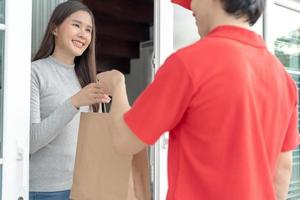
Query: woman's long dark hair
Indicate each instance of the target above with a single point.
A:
(85, 65)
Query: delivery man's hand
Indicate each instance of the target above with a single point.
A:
(109, 80)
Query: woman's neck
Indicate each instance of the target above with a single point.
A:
(63, 57)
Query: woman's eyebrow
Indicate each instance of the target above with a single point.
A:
(79, 22)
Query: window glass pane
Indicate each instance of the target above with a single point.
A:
(2, 13)
(287, 49)
(287, 43)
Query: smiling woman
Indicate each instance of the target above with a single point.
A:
(73, 36)
(63, 72)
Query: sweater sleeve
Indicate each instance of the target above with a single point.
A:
(43, 131)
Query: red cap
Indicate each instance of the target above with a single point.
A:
(184, 3)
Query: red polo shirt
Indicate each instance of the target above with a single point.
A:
(230, 107)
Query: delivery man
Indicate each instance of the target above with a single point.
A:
(228, 103)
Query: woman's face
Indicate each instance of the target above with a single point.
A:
(74, 35)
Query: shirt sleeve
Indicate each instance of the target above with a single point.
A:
(163, 103)
(43, 131)
(292, 138)
(34, 97)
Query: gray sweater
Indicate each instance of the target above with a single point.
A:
(54, 125)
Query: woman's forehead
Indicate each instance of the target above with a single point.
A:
(82, 17)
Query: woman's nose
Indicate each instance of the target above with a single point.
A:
(82, 33)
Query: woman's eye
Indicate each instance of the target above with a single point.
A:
(88, 30)
(76, 25)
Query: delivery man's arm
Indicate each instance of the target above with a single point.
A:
(283, 175)
(159, 108)
(124, 139)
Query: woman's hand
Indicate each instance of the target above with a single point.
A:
(90, 94)
(109, 80)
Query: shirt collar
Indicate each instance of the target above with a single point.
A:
(239, 34)
(60, 63)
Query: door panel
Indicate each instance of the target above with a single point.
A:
(15, 88)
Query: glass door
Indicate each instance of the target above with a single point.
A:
(15, 59)
(283, 36)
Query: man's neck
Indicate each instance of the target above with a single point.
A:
(221, 18)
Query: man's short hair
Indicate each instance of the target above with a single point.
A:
(251, 9)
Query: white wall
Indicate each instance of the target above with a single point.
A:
(185, 29)
(141, 72)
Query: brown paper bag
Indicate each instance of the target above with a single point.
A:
(101, 173)
(140, 175)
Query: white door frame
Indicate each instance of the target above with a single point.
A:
(163, 47)
(16, 101)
